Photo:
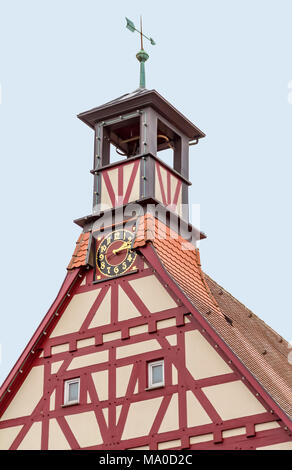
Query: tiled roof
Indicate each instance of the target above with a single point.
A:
(80, 253)
(259, 348)
(181, 259)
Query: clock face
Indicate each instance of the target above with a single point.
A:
(114, 255)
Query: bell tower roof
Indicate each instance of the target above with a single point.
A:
(141, 98)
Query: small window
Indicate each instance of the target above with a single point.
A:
(71, 391)
(156, 374)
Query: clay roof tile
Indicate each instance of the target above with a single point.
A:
(80, 253)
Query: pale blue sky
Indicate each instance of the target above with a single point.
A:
(226, 65)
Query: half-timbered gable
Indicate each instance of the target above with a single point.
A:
(106, 335)
(141, 349)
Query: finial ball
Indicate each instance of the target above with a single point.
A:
(142, 56)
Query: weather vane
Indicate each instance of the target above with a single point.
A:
(142, 55)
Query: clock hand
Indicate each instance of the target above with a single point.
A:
(124, 246)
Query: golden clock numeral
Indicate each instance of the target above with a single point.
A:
(108, 270)
(101, 257)
(124, 265)
(116, 270)
(117, 236)
(102, 265)
(130, 257)
(103, 248)
(108, 241)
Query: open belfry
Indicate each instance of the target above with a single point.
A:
(141, 349)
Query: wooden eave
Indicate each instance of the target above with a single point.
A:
(139, 101)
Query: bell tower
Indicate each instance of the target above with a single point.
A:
(140, 125)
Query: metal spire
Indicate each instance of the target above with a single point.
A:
(142, 55)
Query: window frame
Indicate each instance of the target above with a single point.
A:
(151, 364)
(66, 392)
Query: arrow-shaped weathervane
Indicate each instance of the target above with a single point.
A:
(142, 56)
